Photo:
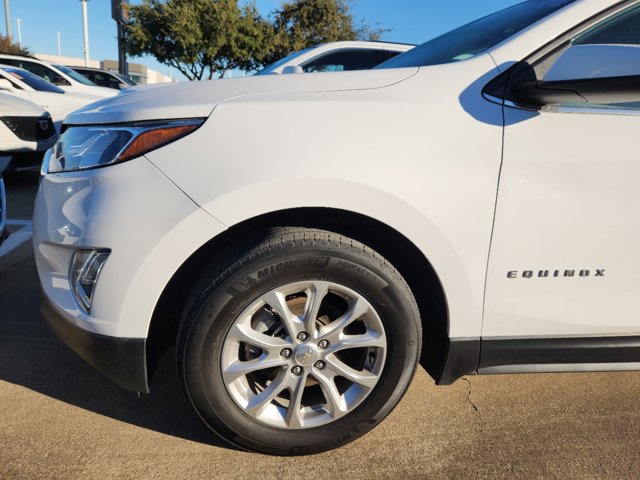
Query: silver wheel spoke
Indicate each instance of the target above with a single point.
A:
(244, 333)
(294, 412)
(239, 369)
(262, 399)
(357, 309)
(363, 377)
(315, 294)
(277, 301)
(368, 340)
(336, 403)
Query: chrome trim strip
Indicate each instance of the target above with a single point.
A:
(561, 368)
(604, 110)
(586, 110)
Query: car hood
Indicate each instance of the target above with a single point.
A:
(198, 99)
(11, 105)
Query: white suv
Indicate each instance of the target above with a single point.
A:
(26, 133)
(59, 75)
(306, 239)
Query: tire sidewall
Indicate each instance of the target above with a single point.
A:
(217, 311)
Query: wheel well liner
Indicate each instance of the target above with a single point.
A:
(395, 247)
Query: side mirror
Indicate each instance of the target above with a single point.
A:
(597, 91)
(292, 69)
(6, 84)
(585, 74)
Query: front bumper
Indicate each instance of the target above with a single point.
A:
(121, 360)
(151, 229)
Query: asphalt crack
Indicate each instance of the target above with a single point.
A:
(473, 405)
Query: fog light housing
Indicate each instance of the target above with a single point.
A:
(85, 270)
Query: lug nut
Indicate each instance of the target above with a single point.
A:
(296, 370)
(303, 336)
(319, 364)
(323, 344)
(286, 353)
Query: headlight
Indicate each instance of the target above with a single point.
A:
(85, 147)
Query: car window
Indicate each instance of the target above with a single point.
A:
(40, 70)
(619, 33)
(270, 69)
(9, 78)
(124, 79)
(75, 75)
(621, 29)
(478, 36)
(347, 60)
(34, 81)
(86, 73)
(105, 80)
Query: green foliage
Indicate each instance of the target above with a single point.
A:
(199, 37)
(202, 38)
(300, 24)
(8, 46)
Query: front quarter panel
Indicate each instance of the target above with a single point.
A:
(421, 156)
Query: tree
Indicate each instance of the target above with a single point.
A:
(200, 38)
(8, 46)
(300, 24)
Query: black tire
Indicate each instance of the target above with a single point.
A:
(283, 256)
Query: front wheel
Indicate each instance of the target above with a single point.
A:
(298, 343)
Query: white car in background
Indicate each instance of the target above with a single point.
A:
(300, 238)
(337, 57)
(59, 75)
(29, 86)
(26, 132)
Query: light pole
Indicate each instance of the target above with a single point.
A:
(86, 32)
(120, 14)
(7, 17)
(19, 32)
(59, 49)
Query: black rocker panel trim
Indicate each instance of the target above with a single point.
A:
(472, 356)
(549, 351)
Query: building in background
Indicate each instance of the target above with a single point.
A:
(137, 72)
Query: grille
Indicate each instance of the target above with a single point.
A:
(30, 129)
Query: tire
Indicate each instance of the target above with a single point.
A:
(250, 347)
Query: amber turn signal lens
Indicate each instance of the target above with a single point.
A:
(152, 139)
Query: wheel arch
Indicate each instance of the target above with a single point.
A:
(403, 254)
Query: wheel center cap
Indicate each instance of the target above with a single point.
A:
(306, 356)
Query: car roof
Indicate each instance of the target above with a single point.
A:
(21, 57)
(74, 67)
(366, 44)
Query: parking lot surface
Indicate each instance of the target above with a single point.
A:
(61, 419)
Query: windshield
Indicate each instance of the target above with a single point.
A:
(124, 79)
(282, 61)
(478, 36)
(34, 81)
(75, 75)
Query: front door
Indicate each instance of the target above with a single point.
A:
(565, 254)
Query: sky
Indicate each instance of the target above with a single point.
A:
(410, 21)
